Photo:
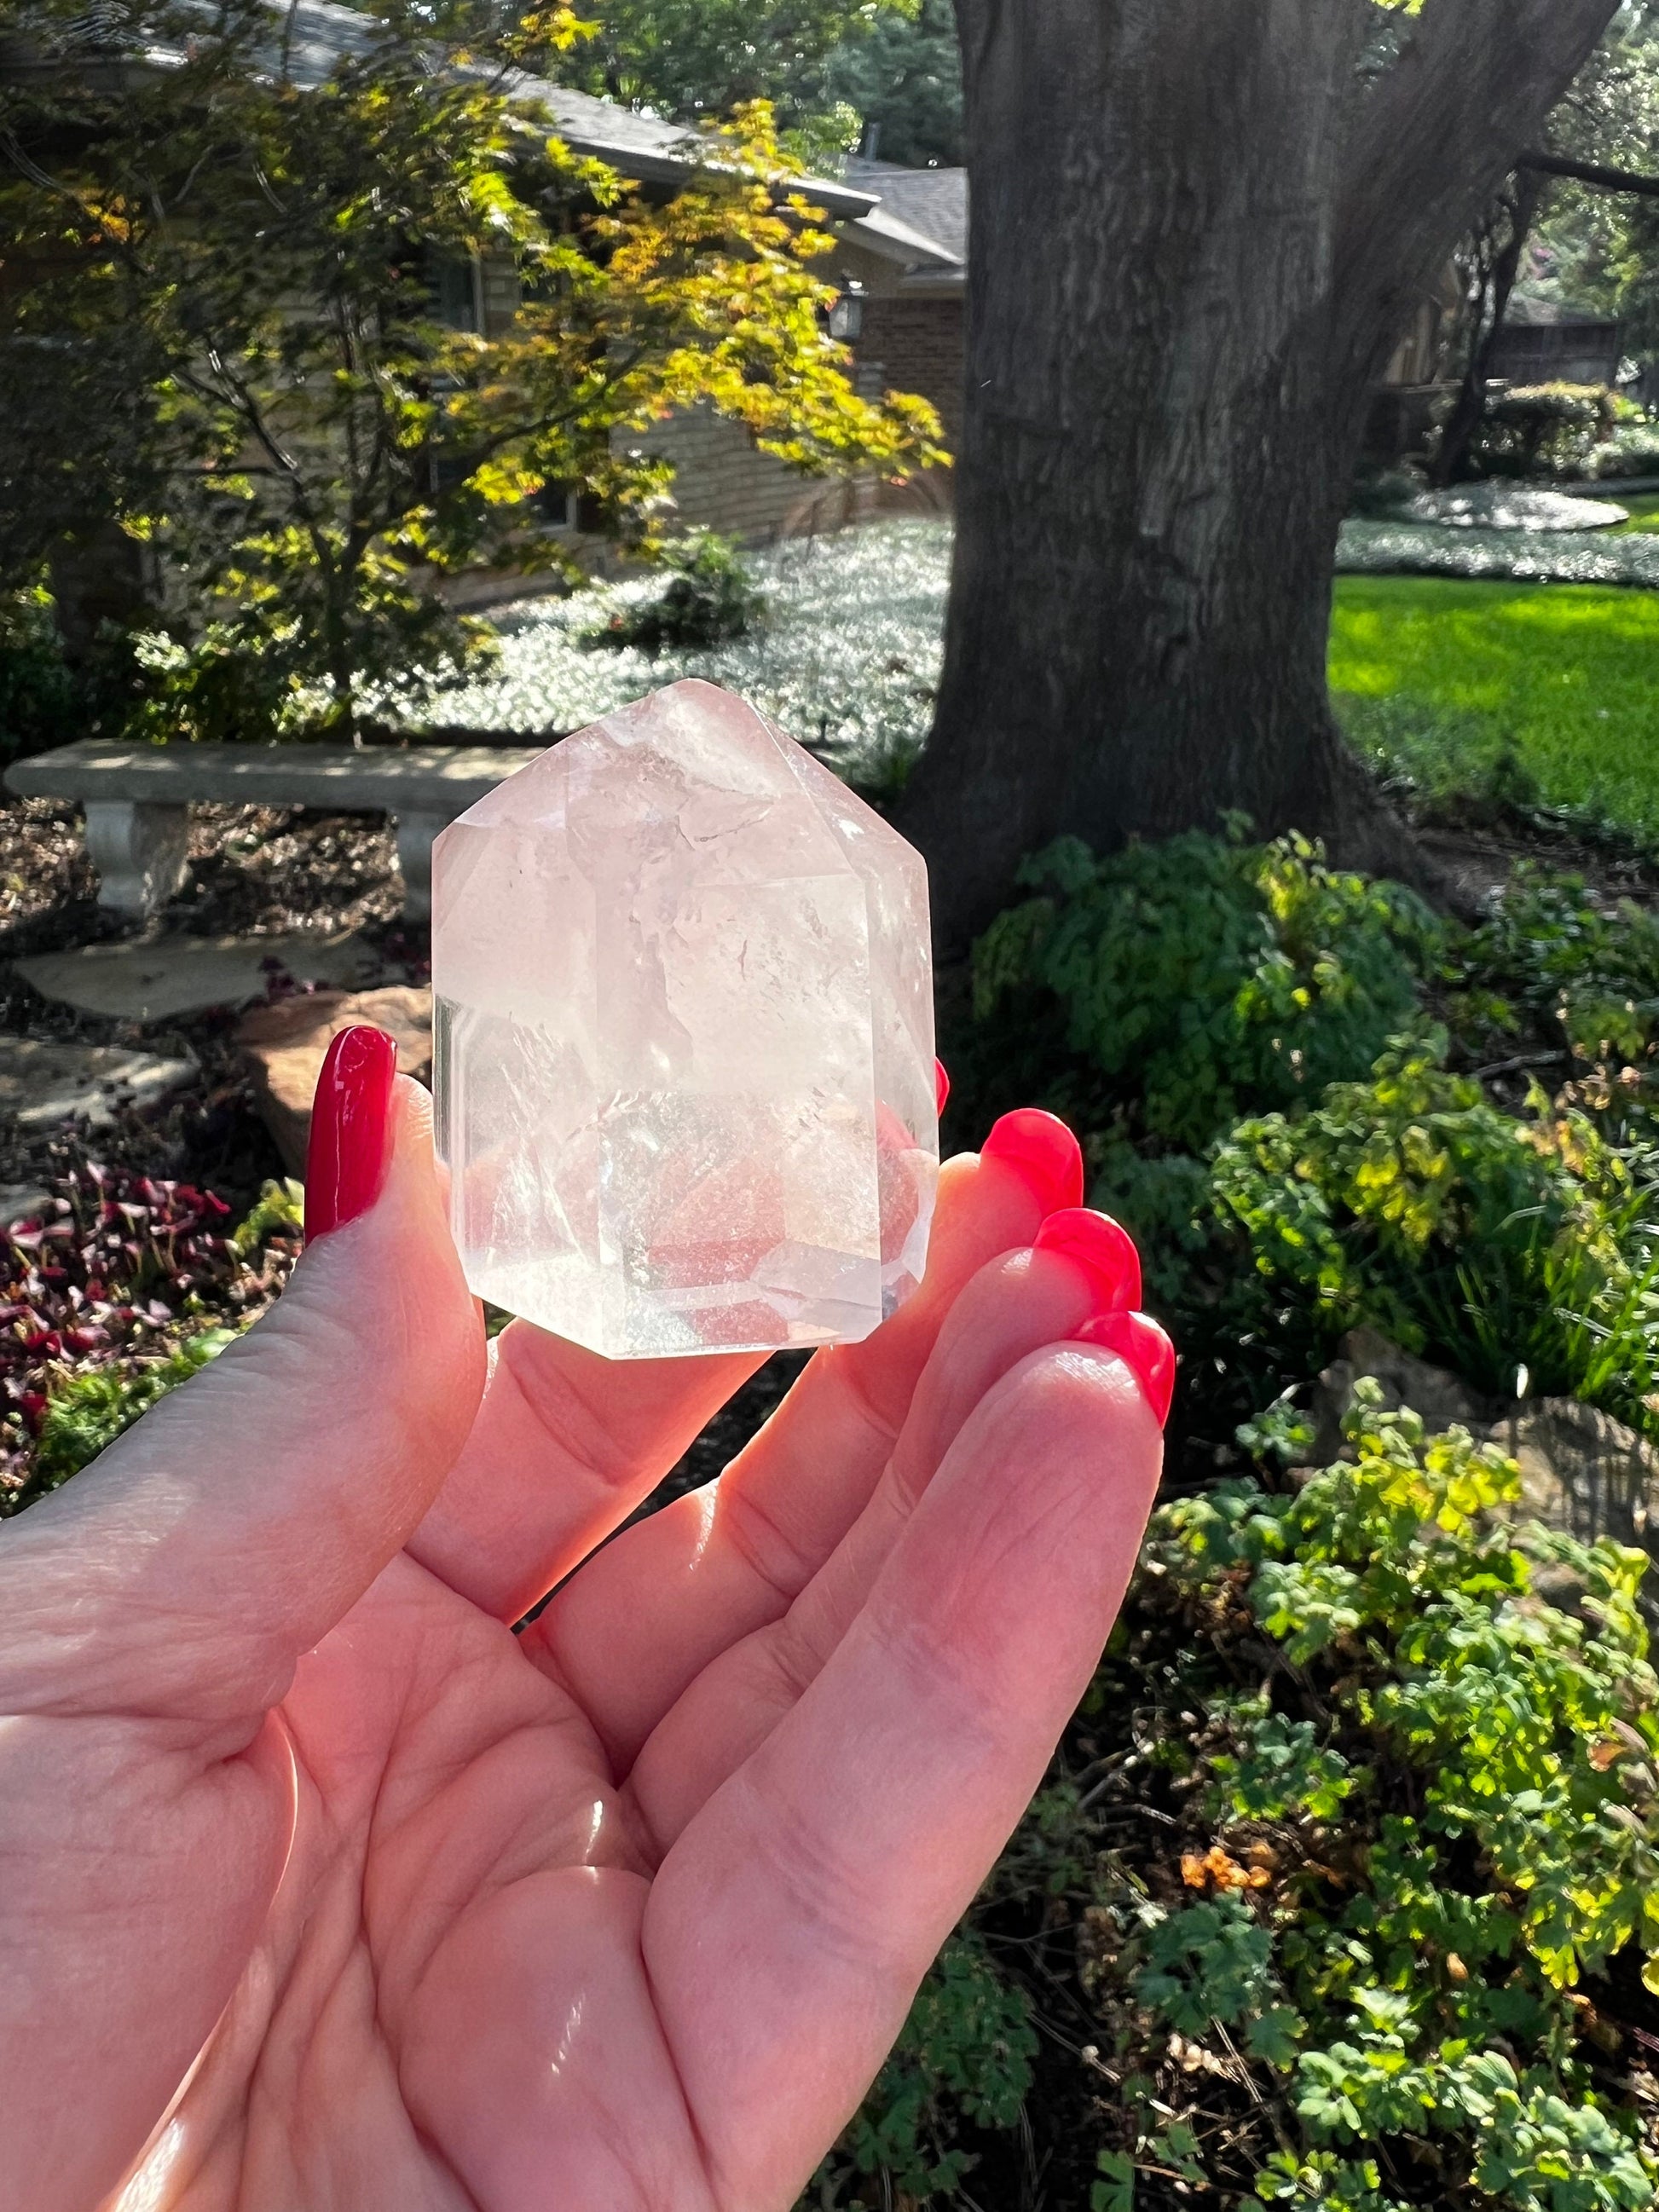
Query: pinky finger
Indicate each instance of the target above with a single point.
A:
(789, 1926)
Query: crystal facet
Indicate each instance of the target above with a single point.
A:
(683, 1029)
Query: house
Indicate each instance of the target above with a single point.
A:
(900, 259)
(1548, 341)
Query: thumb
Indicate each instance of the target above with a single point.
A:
(228, 1530)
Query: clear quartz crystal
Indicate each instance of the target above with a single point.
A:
(684, 1016)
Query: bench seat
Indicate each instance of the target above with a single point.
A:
(138, 800)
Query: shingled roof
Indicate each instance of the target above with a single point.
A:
(931, 204)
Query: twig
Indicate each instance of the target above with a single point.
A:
(1520, 1060)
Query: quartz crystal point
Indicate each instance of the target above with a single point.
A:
(682, 1005)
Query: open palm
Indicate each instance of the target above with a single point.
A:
(325, 1888)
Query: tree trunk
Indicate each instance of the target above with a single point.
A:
(1195, 230)
(1518, 211)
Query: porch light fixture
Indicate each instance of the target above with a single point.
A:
(847, 316)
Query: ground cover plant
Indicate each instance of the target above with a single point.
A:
(1507, 693)
(120, 1288)
(1388, 546)
(846, 657)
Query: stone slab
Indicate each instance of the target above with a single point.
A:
(174, 976)
(423, 778)
(286, 1041)
(43, 1084)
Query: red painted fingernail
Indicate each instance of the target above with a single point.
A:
(1103, 1247)
(1142, 1346)
(941, 1086)
(1041, 1149)
(350, 1129)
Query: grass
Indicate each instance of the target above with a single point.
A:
(1448, 678)
(1643, 508)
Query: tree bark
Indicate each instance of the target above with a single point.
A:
(1196, 229)
(1518, 210)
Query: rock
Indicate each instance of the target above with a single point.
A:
(1582, 1472)
(19, 1200)
(286, 1041)
(41, 1084)
(1513, 507)
(176, 975)
(1441, 1398)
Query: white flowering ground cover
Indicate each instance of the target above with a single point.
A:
(846, 657)
(1522, 557)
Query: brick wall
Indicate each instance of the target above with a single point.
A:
(917, 341)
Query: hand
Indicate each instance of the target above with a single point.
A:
(624, 1912)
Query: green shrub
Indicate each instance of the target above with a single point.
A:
(1410, 1201)
(1554, 955)
(1431, 1821)
(1543, 430)
(963, 2061)
(1630, 449)
(1344, 1890)
(711, 596)
(37, 687)
(1204, 977)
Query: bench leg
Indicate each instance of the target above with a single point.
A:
(140, 851)
(415, 835)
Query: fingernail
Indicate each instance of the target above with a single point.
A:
(1042, 1150)
(1143, 1347)
(941, 1086)
(1101, 1247)
(350, 1128)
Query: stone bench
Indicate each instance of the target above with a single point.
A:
(138, 800)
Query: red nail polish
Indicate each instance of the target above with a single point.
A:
(941, 1086)
(1101, 1247)
(1042, 1150)
(1143, 1347)
(350, 1129)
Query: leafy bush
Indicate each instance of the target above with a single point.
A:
(1564, 956)
(1410, 1201)
(1542, 429)
(1204, 977)
(1345, 1888)
(1430, 1823)
(963, 2061)
(711, 597)
(1630, 449)
(37, 687)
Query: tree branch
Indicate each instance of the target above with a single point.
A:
(1590, 172)
(1433, 141)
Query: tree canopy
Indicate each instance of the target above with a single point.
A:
(224, 317)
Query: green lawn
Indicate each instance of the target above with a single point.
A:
(1643, 508)
(1457, 682)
